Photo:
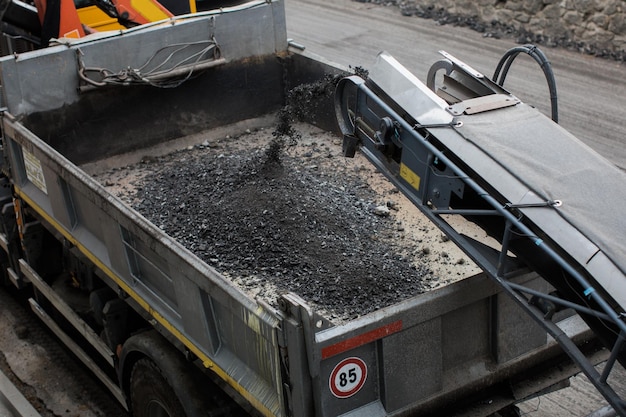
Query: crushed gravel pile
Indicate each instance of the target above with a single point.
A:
(279, 216)
(281, 209)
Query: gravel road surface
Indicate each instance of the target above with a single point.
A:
(591, 91)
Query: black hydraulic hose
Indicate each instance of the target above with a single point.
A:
(507, 60)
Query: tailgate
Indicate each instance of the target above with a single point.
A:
(428, 354)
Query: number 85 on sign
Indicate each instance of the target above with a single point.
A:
(347, 377)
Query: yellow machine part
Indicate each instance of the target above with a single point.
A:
(98, 20)
(141, 11)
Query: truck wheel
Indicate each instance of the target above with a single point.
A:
(151, 394)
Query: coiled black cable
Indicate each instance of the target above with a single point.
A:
(505, 64)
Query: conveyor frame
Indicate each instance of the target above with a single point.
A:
(408, 154)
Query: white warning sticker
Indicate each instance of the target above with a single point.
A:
(34, 172)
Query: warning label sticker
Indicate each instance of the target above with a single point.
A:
(34, 172)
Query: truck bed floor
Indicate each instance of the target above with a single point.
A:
(291, 214)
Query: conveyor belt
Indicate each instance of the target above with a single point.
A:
(553, 165)
(546, 198)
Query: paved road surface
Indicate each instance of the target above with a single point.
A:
(592, 91)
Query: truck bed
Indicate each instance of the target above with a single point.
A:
(278, 213)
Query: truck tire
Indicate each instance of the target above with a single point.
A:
(159, 381)
(151, 394)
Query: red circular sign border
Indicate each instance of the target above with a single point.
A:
(357, 361)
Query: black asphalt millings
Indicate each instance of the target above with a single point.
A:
(280, 221)
(273, 219)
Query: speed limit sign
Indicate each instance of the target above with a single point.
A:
(347, 377)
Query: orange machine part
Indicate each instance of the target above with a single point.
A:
(69, 23)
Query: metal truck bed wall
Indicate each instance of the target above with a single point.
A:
(418, 354)
(95, 124)
(421, 354)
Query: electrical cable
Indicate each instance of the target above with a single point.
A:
(507, 60)
(152, 72)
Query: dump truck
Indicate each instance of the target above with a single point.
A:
(170, 331)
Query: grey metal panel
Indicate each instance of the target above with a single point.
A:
(412, 363)
(198, 315)
(115, 248)
(466, 335)
(515, 331)
(280, 26)
(63, 208)
(437, 346)
(26, 91)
